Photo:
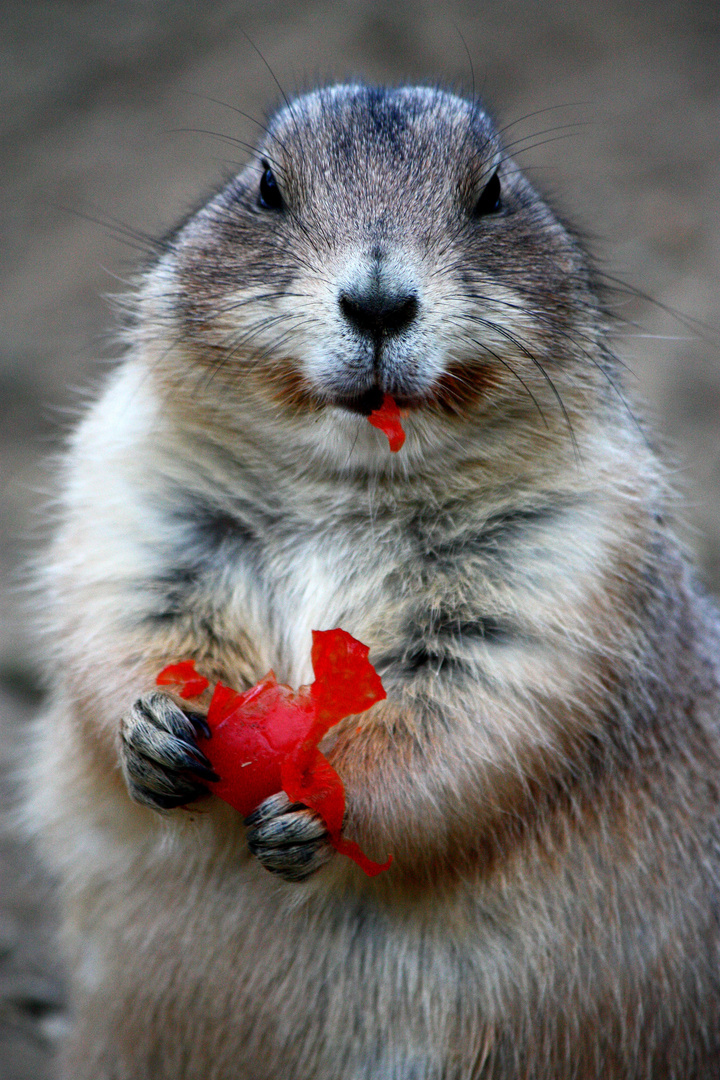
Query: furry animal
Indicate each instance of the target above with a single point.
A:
(545, 768)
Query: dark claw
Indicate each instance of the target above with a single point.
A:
(270, 808)
(200, 724)
(202, 758)
(295, 863)
(207, 774)
(194, 759)
(163, 802)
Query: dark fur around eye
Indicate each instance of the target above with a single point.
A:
(489, 201)
(269, 197)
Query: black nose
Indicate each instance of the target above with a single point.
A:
(378, 313)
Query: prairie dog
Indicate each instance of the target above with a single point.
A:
(545, 768)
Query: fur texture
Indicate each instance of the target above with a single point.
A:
(545, 767)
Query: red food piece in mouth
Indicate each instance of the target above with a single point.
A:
(387, 420)
(266, 739)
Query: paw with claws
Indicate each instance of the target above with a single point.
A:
(164, 768)
(287, 838)
(161, 761)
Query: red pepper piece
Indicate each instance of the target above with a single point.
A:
(387, 420)
(321, 789)
(309, 778)
(354, 852)
(251, 734)
(266, 739)
(345, 681)
(191, 683)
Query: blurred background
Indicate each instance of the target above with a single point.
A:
(106, 114)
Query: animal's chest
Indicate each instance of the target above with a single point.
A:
(302, 575)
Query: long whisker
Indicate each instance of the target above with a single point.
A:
(534, 360)
(569, 129)
(586, 353)
(539, 112)
(505, 363)
(233, 347)
(239, 112)
(134, 238)
(232, 139)
(272, 73)
(696, 326)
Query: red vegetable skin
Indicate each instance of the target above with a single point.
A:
(387, 420)
(345, 680)
(251, 735)
(266, 740)
(345, 683)
(191, 683)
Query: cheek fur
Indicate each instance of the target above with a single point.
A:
(463, 386)
(285, 383)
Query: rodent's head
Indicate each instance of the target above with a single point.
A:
(380, 240)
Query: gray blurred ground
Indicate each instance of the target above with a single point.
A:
(92, 95)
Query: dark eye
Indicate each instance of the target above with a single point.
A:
(489, 201)
(269, 196)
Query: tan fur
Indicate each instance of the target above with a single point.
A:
(544, 770)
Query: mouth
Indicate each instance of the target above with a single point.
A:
(362, 404)
(372, 399)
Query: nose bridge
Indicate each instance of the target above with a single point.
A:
(378, 295)
(378, 272)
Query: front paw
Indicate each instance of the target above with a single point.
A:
(161, 762)
(287, 838)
